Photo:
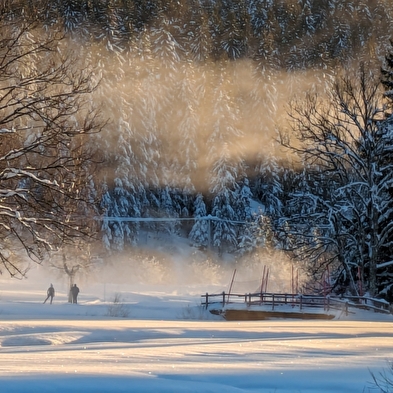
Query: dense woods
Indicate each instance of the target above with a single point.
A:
(241, 125)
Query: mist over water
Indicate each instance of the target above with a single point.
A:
(163, 267)
(175, 266)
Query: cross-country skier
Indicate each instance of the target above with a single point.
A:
(51, 294)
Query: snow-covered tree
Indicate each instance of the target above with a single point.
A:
(243, 197)
(149, 140)
(45, 152)
(199, 46)
(387, 76)
(345, 143)
(268, 187)
(223, 187)
(185, 154)
(234, 31)
(244, 212)
(224, 158)
(200, 231)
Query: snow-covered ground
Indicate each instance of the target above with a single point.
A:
(157, 338)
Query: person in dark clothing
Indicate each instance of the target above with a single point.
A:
(74, 293)
(50, 294)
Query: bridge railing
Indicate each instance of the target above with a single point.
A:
(299, 301)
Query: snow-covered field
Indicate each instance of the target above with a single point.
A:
(163, 341)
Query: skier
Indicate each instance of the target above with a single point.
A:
(74, 293)
(51, 294)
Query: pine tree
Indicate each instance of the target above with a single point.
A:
(225, 161)
(387, 76)
(235, 30)
(199, 44)
(268, 188)
(199, 233)
(246, 239)
(187, 152)
(223, 187)
(106, 206)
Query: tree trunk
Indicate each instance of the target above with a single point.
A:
(71, 281)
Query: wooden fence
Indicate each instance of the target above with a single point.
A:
(300, 301)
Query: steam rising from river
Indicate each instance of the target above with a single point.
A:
(173, 265)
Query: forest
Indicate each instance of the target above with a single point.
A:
(239, 125)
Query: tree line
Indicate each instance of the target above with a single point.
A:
(170, 109)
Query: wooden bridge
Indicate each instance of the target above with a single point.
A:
(299, 302)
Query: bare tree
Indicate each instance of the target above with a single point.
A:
(46, 156)
(383, 381)
(341, 217)
(77, 259)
